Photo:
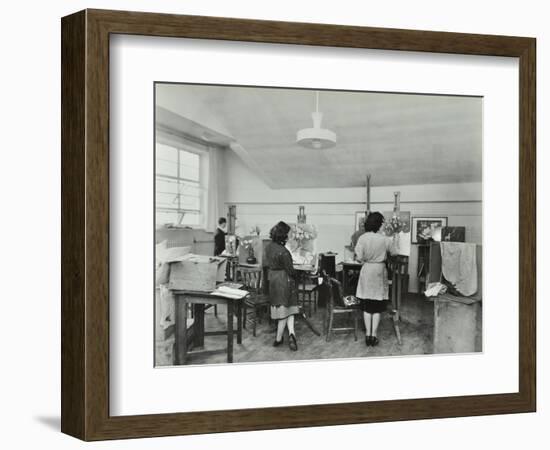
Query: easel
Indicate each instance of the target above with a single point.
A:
(397, 264)
(301, 219)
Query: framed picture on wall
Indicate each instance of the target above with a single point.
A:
(146, 118)
(425, 229)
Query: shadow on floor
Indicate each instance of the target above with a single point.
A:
(52, 422)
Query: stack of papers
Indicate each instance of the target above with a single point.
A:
(229, 292)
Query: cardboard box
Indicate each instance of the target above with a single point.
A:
(197, 273)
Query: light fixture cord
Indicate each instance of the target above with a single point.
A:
(317, 101)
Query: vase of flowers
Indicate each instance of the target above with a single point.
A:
(255, 230)
(248, 244)
(301, 235)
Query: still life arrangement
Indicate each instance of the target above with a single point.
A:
(398, 223)
(301, 243)
(248, 245)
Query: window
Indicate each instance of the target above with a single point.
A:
(177, 190)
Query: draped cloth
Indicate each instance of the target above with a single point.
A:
(459, 267)
(213, 183)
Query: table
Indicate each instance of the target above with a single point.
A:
(457, 324)
(199, 300)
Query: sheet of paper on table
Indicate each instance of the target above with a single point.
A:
(229, 292)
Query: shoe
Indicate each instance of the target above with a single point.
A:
(292, 344)
(368, 341)
(374, 341)
(277, 343)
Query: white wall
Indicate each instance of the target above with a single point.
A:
(332, 210)
(30, 330)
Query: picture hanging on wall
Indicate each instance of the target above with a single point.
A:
(425, 229)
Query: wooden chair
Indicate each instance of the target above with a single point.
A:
(257, 302)
(336, 307)
(308, 288)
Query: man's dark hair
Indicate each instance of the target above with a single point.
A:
(222, 220)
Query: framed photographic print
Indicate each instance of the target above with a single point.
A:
(427, 228)
(168, 158)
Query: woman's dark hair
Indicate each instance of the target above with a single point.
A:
(374, 222)
(279, 233)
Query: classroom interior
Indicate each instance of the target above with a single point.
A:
(233, 152)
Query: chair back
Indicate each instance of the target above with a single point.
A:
(334, 291)
(252, 279)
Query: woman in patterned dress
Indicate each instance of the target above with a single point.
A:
(372, 287)
(283, 295)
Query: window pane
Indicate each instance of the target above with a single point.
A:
(190, 202)
(164, 217)
(166, 200)
(190, 219)
(189, 188)
(166, 185)
(189, 159)
(189, 173)
(177, 188)
(164, 167)
(166, 152)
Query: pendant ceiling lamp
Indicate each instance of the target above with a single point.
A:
(316, 138)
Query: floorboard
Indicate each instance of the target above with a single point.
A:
(416, 329)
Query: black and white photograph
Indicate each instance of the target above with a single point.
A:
(309, 224)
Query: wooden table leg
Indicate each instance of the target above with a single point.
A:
(198, 324)
(177, 331)
(229, 331)
(180, 330)
(239, 321)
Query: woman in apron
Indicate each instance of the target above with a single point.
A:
(283, 295)
(372, 287)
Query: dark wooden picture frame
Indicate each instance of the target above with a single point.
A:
(85, 224)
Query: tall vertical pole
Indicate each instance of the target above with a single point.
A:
(232, 217)
(396, 202)
(367, 211)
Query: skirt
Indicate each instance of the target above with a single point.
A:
(373, 306)
(282, 312)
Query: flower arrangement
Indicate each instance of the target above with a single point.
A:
(301, 233)
(255, 230)
(396, 225)
(301, 243)
(248, 245)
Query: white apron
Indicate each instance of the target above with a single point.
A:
(371, 249)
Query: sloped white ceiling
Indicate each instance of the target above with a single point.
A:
(401, 139)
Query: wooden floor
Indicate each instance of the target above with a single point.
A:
(416, 331)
